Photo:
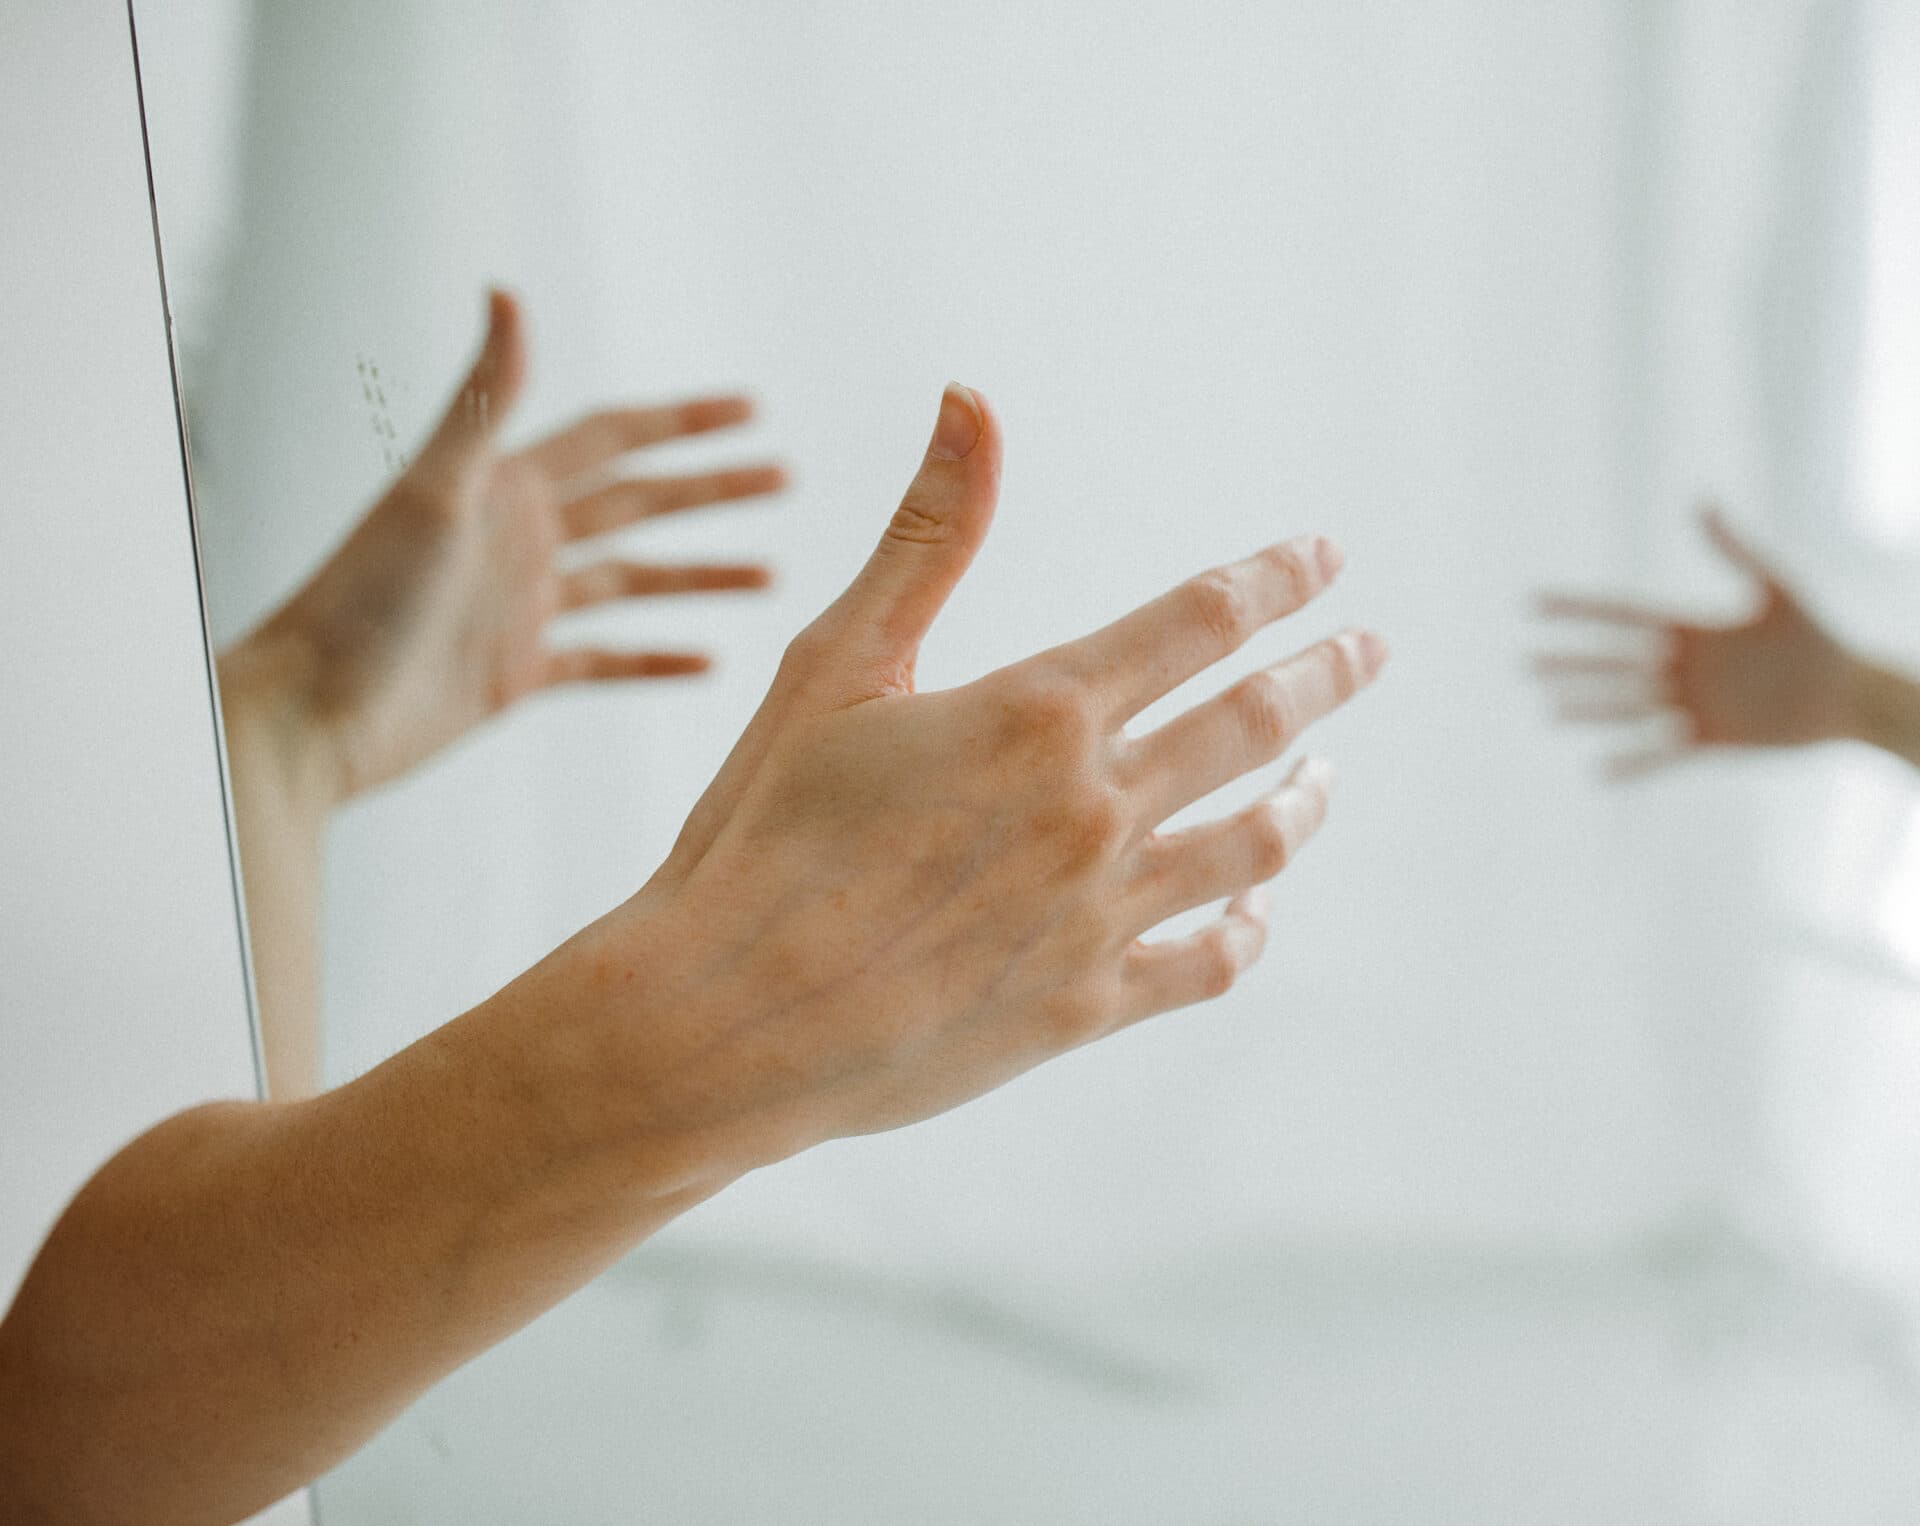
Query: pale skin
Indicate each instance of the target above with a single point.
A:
(1774, 679)
(886, 903)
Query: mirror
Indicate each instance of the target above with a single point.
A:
(1564, 1124)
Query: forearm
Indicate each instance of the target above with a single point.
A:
(282, 798)
(1885, 706)
(248, 1292)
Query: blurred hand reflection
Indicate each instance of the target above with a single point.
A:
(436, 611)
(434, 615)
(1774, 679)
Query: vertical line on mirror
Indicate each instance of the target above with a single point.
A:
(200, 585)
(306, 1496)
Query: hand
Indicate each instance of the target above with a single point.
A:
(1775, 679)
(889, 902)
(886, 903)
(435, 613)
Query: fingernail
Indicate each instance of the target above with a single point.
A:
(1332, 558)
(1375, 651)
(960, 424)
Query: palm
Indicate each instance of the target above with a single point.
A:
(436, 612)
(1774, 679)
(1771, 681)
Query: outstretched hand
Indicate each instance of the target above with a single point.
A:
(1774, 679)
(436, 613)
(889, 902)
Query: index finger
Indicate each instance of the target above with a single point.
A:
(609, 434)
(1148, 654)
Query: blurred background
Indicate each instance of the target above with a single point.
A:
(1562, 1159)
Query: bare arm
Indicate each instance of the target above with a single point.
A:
(249, 1291)
(886, 903)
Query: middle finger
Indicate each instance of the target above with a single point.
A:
(638, 580)
(1250, 724)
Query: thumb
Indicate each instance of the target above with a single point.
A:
(1736, 550)
(935, 532)
(492, 387)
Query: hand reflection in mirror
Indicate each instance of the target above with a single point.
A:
(1774, 678)
(435, 614)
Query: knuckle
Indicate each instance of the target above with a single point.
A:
(1267, 711)
(1270, 848)
(1288, 567)
(1078, 822)
(921, 520)
(1087, 825)
(1161, 867)
(1100, 821)
(1218, 964)
(1056, 713)
(1217, 603)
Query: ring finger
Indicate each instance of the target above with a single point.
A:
(1222, 858)
(631, 499)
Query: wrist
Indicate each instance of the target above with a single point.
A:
(595, 1037)
(1879, 705)
(276, 746)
